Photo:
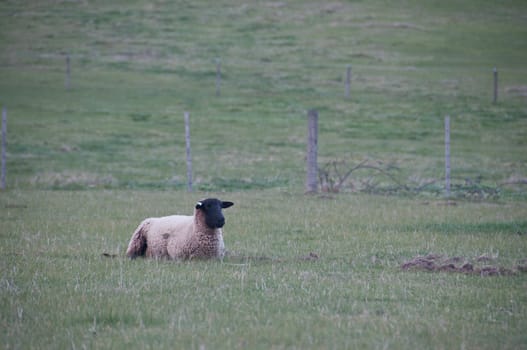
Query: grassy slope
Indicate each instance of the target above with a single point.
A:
(137, 67)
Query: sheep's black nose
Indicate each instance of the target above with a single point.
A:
(221, 222)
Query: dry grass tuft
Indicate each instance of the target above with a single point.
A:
(68, 180)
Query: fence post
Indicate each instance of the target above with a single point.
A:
(447, 155)
(495, 73)
(68, 72)
(348, 81)
(312, 150)
(218, 76)
(4, 146)
(189, 159)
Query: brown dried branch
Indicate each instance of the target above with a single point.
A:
(332, 179)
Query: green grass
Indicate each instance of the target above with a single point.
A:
(137, 66)
(86, 165)
(57, 291)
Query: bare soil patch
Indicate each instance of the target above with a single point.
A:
(482, 265)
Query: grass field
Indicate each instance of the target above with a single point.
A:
(87, 164)
(137, 66)
(58, 291)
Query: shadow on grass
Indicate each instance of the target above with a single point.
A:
(244, 259)
(232, 258)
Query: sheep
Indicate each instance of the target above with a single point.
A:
(182, 237)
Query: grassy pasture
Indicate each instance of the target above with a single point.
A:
(137, 66)
(57, 291)
(85, 165)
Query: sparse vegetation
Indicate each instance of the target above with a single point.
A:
(379, 178)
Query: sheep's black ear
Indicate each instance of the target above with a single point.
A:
(226, 205)
(199, 205)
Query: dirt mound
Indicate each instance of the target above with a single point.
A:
(442, 263)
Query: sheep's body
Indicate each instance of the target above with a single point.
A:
(178, 237)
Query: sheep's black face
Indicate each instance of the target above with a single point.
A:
(212, 208)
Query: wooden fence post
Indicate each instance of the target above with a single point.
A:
(68, 72)
(312, 150)
(495, 74)
(348, 81)
(447, 155)
(189, 159)
(218, 76)
(4, 146)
